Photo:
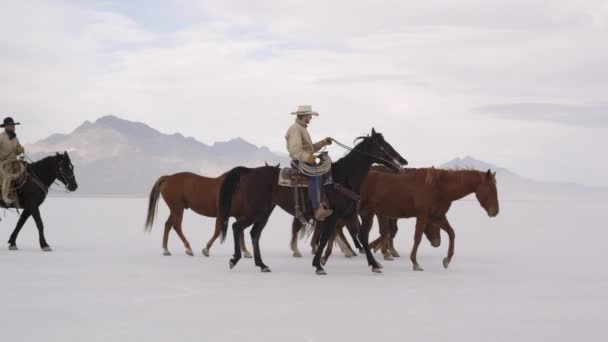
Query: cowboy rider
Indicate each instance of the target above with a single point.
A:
(301, 149)
(10, 148)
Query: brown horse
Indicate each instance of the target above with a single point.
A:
(427, 195)
(187, 190)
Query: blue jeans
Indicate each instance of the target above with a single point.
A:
(316, 188)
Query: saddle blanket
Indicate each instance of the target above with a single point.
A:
(290, 177)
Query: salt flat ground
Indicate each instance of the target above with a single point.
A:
(536, 272)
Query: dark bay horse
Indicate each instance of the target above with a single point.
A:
(31, 194)
(187, 190)
(427, 195)
(260, 193)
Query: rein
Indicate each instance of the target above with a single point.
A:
(351, 149)
(41, 185)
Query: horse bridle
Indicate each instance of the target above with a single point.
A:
(392, 158)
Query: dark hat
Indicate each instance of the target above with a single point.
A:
(9, 121)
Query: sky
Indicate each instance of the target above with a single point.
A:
(521, 84)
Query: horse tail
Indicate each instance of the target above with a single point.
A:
(227, 190)
(153, 203)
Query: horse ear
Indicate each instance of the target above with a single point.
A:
(489, 173)
(373, 131)
(57, 154)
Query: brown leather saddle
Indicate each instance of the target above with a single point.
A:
(291, 177)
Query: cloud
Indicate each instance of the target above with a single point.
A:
(589, 115)
(219, 69)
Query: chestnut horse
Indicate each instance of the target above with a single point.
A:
(427, 195)
(187, 190)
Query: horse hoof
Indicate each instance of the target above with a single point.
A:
(379, 265)
(313, 251)
(232, 264)
(321, 272)
(47, 249)
(189, 252)
(361, 250)
(166, 252)
(206, 252)
(348, 255)
(396, 255)
(13, 248)
(446, 263)
(297, 254)
(266, 270)
(247, 255)
(323, 261)
(376, 270)
(389, 257)
(418, 268)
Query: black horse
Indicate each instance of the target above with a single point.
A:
(31, 194)
(260, 194)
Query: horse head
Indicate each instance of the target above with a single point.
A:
(65, 171)
(381, 151)
(486, 193)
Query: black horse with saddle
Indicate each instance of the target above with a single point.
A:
(32, 187)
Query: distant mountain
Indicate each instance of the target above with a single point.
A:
(116, 157)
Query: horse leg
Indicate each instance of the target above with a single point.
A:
(420, 227)
(256, 232)
(246, 253)
(351, 225)
(237, 228)
(40, 225)
(316, 236)
(13, 239)
(447, 227)
(216, 234)
(342, 241)
(326, 228)
(385, 230)
(391, 245)
(330, 246)
(178, 229)
(296, 226)
(168, 226)
(367, 220)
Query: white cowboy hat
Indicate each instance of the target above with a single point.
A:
(304, 110)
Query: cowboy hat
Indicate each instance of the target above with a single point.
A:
(8, 122)
(304, 110)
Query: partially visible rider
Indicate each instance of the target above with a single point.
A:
(301, 150)
(10, 148)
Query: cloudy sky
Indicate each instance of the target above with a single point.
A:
(522, 84)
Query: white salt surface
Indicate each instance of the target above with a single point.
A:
(535, 273)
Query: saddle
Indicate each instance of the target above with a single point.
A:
(291, 177)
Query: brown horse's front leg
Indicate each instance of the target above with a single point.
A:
(216, 234)
(421, 224)
(447, 227)
(296, 226)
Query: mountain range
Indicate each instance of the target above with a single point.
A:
(117, 157)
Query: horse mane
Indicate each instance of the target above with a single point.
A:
(432, 175)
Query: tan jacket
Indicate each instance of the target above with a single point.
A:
(9, 149)
(299, 144)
